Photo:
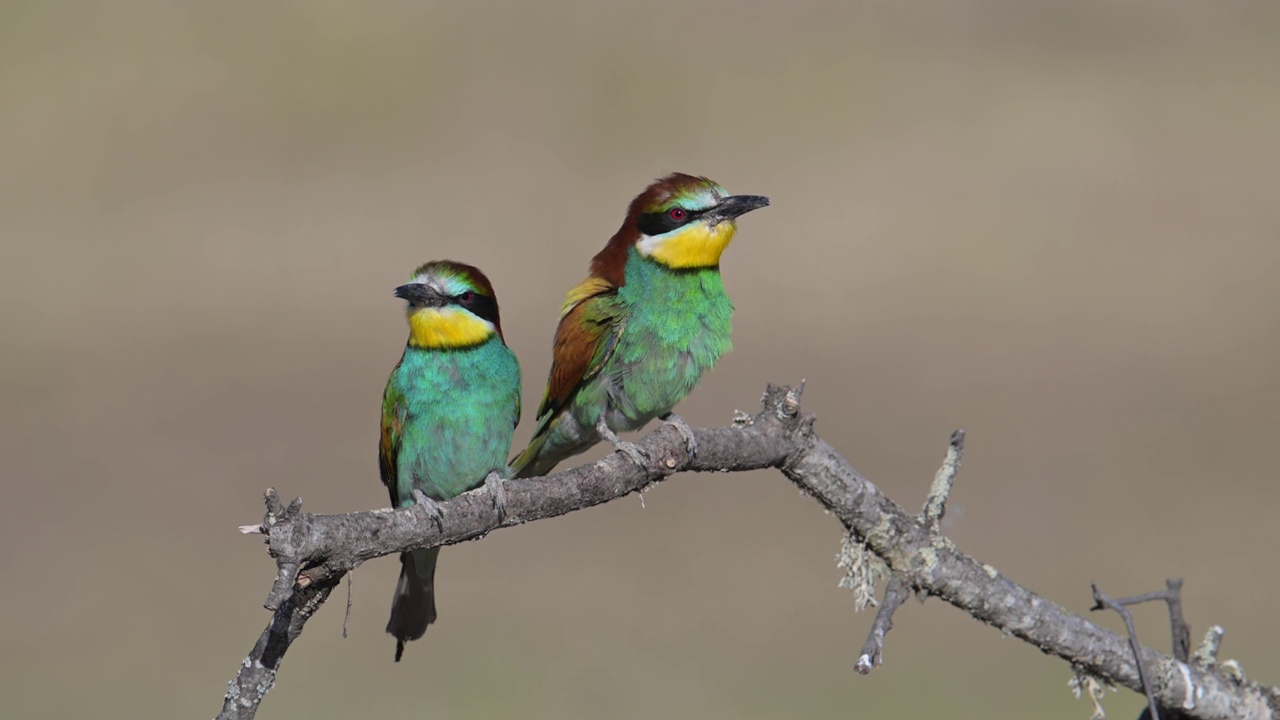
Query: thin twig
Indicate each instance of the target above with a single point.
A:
(1172, 596)
(346, 619)
(896, 592)
(1179, 631)
(1104, 602)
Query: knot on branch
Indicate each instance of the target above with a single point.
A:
(780, 406)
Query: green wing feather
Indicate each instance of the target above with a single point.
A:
(395, 411)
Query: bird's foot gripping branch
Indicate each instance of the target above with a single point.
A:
(313, 552)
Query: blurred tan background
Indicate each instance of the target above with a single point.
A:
(1053, 224)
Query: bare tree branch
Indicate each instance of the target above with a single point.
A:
(318, 550)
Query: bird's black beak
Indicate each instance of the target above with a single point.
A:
(735, 205)
(420, 295)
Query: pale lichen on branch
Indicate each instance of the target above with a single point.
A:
(863, 572)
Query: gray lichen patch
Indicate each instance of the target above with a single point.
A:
(863, 572)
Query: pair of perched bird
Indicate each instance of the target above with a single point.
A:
(634, 338)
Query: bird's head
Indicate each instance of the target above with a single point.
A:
(681, 221)
(450, 305)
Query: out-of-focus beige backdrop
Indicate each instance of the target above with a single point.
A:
(1053, 224)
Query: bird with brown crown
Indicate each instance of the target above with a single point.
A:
(640, 332)
(448, 412)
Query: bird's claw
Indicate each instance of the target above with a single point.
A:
(435, 513)
(686, 432)
(630, 449)
(493, 483)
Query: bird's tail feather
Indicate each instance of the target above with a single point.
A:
(413, 607)
(528, 464)
(540, 458)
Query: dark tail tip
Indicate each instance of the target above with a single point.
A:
(413, 607)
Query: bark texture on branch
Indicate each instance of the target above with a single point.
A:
(313, 552)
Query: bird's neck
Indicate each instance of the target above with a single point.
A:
(420, 358)
(656, 284)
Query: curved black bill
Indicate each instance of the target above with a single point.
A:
(419, 294)
(735, 205)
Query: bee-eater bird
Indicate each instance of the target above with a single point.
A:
(637, 335)
(448, 414)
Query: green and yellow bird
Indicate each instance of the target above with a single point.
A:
(450, 408)
(652, 318)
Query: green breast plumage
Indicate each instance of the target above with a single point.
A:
(456, 411)
(678, 325)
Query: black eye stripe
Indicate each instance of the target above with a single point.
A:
(482, 306)
(658, 223)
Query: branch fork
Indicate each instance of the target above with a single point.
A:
(900, 584)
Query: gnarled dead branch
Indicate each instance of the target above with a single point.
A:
(313, 552)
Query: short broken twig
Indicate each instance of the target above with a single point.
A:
(935, 506)
(286, 569)
(1206, 656)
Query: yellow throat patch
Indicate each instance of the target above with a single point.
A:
(446, 327)
(693, 246)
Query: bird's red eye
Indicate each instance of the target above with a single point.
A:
(467, 296)
(676, 213)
